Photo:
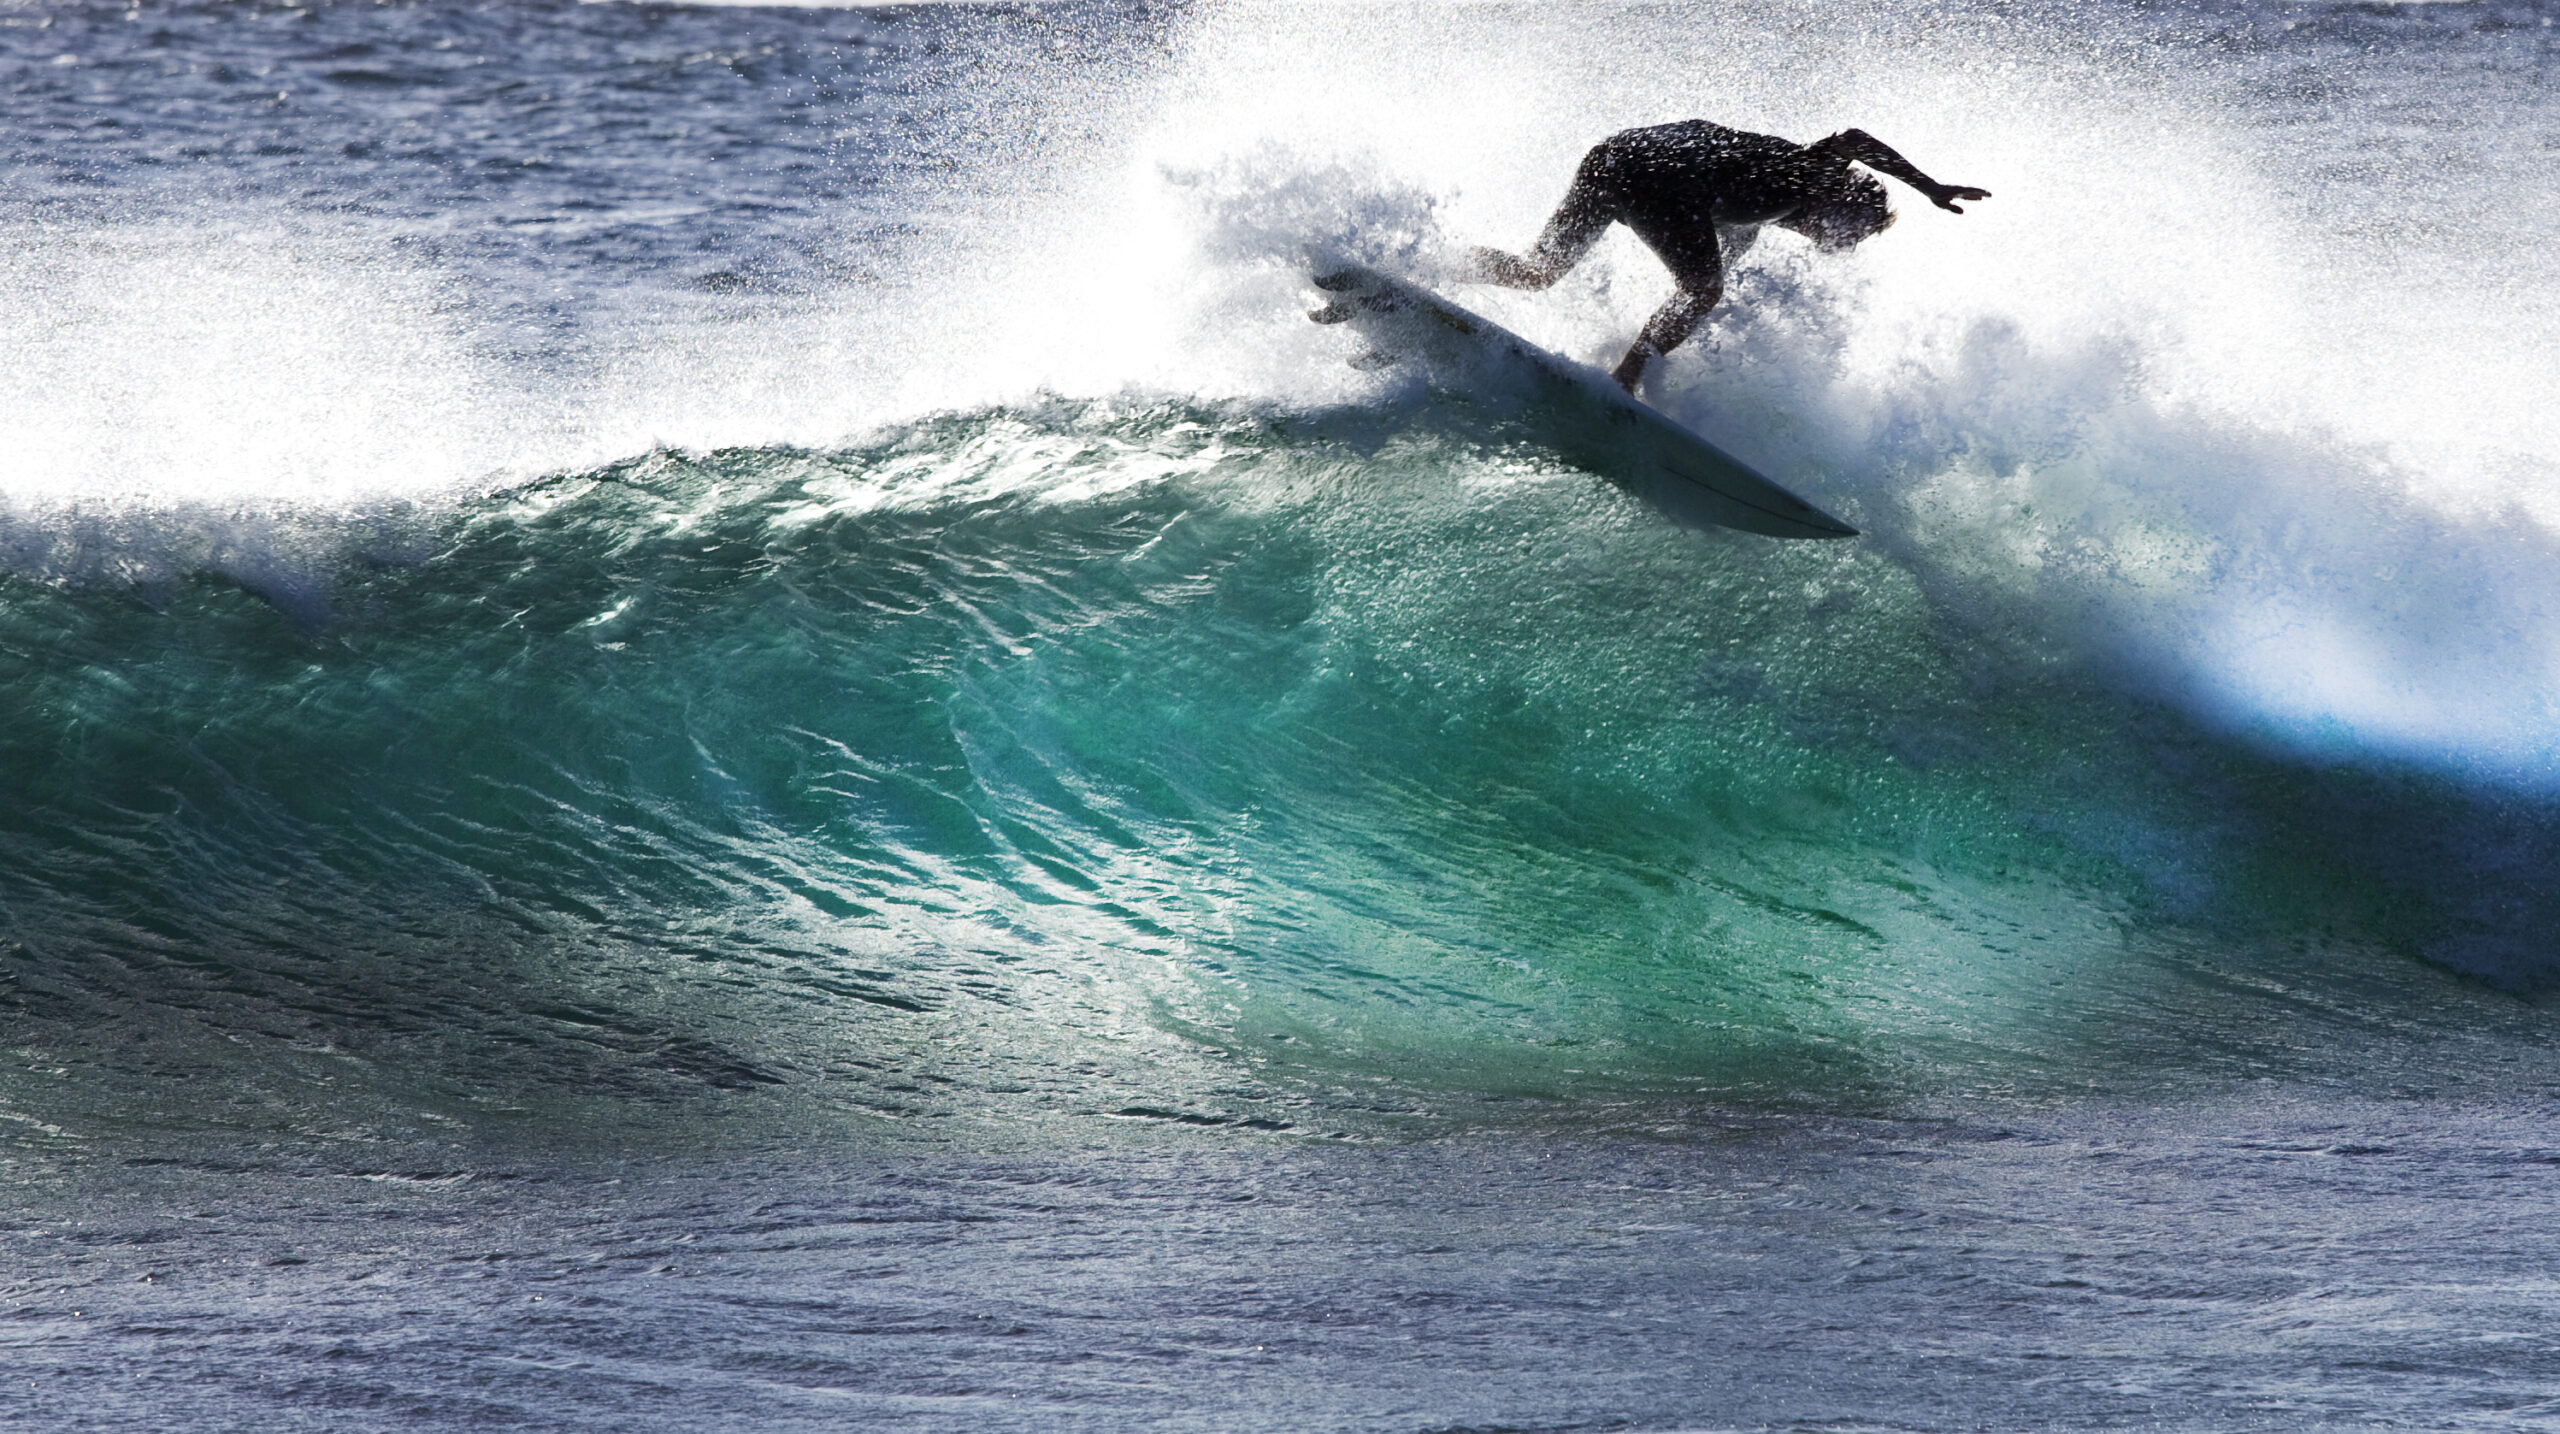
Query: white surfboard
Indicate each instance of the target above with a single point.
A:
(1577, 410)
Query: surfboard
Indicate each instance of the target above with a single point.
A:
(1573, 408)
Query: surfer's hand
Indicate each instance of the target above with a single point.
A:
(1945, 195)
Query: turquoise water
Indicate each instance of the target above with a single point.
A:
(1348, 746)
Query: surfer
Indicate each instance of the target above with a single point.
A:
(1689, 190)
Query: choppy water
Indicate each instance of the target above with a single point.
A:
(714, 718)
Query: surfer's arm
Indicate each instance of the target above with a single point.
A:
(1875, 154)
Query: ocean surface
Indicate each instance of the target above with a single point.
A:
(714, 718)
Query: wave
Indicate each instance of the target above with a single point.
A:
(1365, 746)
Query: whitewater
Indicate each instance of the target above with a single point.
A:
(716, 717)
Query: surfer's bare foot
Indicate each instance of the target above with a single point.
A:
(1492, 266)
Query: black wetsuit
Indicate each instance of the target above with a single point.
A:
(1673, 184)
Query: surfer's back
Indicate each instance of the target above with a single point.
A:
(1688, 162)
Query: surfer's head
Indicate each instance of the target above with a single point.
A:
(1841, 208)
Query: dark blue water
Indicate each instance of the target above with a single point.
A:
(715, 718)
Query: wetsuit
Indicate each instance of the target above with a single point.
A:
(1674, 184)
(1695, 192)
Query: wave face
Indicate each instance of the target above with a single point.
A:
(588, 552)
(1167, 759)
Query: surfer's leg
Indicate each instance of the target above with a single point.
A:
(1586, 213)
(1669, 327)
(1695, 257)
